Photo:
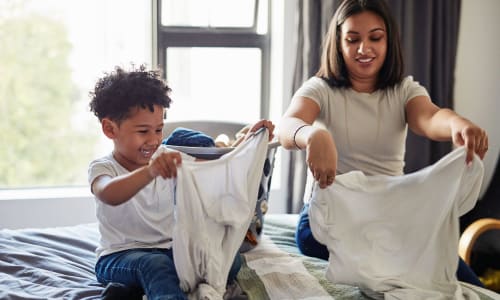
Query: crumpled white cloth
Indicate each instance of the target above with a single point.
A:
(215, 202)
(397, 236)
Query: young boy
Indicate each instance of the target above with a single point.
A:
(134, 192)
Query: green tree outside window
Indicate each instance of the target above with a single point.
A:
(41, 143)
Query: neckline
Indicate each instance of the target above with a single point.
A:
(352, 90)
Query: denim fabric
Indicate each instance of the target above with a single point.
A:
(466, 274)
(149, 270)
(188, 137)
(308, 245)
(305, 240)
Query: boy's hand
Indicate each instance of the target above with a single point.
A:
(262, 123)
(165, 165)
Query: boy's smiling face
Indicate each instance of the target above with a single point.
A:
(137, 137)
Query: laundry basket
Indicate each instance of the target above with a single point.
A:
(255, 230)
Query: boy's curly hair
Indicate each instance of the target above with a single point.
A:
(118, 92)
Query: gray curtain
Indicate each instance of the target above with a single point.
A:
(429, 34)
(312, 24)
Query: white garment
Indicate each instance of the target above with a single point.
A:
(357, 119)
(398, 235)
(144, 221)
(215, 202)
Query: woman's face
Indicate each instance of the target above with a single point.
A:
(364, 46)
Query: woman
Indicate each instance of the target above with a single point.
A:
(361, 107)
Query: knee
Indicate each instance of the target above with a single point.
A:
(303, 235)
(301, 239)
(308, 245)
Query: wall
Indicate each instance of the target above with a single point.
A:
(46, 207)
(477, 76)
(283, 59)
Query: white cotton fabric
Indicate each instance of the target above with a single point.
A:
(215, 202)
(398, 235)
(284, 276)
(144, 221)
(357, 119)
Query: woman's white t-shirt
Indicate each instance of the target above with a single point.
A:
(369, 129)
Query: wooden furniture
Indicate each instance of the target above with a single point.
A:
(471, 233)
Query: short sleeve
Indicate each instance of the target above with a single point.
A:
(409, 89)
(101, 166)
(314, 88)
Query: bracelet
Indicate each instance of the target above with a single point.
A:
(295, 134)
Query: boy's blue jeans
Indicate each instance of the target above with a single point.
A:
(150, 270)
(308, 245)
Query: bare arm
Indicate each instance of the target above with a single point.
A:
(296, 131)
(117, 190)
(299, 113)
(442, 124)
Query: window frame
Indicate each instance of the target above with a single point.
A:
(78, 203)
(213, 37)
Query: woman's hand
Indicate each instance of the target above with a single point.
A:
(465, 133)
(321, 157)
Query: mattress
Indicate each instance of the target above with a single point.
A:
(58, 263)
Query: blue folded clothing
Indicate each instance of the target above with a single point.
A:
(188, 137)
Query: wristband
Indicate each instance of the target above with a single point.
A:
(295, 134)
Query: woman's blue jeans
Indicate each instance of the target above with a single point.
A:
(149, 270)
(308, 245)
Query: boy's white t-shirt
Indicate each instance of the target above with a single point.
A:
(144, 221)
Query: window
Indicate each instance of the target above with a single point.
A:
(216, 58)
(51, 54)
(215, 55)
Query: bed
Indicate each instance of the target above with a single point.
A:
(57, 263)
